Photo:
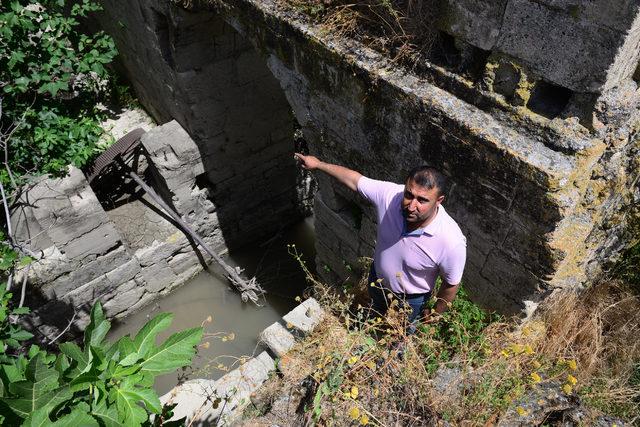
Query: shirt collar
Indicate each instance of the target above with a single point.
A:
(431, 229)
(434, 226)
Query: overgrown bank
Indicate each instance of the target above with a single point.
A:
(576, 360)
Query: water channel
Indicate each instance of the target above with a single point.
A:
(233, 332)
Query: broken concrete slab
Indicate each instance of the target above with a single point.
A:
(278, 339)
(305, 316)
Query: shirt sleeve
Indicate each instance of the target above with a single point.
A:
(377, 192)
(452, 264)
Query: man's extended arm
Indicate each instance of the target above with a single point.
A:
(346, 176)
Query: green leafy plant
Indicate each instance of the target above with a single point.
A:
(51, 77)
(10, 335)
(94, 384)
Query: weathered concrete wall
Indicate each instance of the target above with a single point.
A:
(585, 46)
(85, 257)
(531, 192)
(539, 144)
(192, 67)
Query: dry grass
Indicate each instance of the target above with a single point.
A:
(353, 370)
(404, 30)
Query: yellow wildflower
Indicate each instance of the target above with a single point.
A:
(376, 392)
(536, 364)
(535, 377)
(516, 348)
(572, 365)
(567, 388)
(364, 420)
(354, 392)
(528, 349)
(505, 353)
(521, 411)
(354, 413)
(571, 379)
(371, 365)
(352, 360)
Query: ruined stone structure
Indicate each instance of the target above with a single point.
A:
(124, 257)
(532, 114)
(529, 106)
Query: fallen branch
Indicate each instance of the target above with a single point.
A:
(249, 290)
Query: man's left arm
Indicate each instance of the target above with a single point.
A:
(451, 269)
(445, 296)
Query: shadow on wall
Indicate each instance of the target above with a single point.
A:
(214, 83)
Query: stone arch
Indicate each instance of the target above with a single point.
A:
(195, 68)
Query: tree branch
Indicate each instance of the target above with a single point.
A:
(51, 341)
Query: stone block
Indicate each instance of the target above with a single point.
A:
(27, 230)
(89, 292)
(95, 242)
(195, 398)
(158, 277)
(160, 251)
(239, 384)
(169, 147)
(485, 293)
(278, 339)
(571, 53)
(71, 214)
(123, 301)
(52, 264)
(87, 272)
(616, 14)
(476, 22)
(305, 316)
(510, 278)
(182, 262)
(124, 272)
(146, 299)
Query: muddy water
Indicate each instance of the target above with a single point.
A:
(233, 332)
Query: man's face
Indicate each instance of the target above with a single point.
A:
(419, 204)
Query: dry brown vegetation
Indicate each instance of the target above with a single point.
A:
(467, 369)
(402, 29)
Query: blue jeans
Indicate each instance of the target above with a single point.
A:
(380, 303)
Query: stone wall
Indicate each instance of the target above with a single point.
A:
(533, 119)
(541, 186)
(194, 68)
(86, 257)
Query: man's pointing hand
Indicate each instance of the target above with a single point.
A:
(307, 162)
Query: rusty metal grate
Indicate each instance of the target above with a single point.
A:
(121, 148)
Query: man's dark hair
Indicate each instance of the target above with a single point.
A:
(429, 177)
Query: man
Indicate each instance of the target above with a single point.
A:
(417, 240)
